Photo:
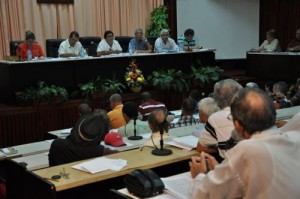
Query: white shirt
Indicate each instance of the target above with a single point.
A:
(222, 126)
(160, 46)
(65, 48)
(293, 124)
(270, 47)
(104, 46)
(264, 167)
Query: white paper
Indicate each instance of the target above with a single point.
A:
(178, 185)
(101, 164)
(186, 142)
(66, 131)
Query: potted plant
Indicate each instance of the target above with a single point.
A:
(169, 80)
(203, 76)
(100, 86)
(134, 77)
(158, 21)
(42, 93)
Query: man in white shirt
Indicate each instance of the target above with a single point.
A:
(164, 43)
(108, 45)
(219, 126)
(70, 47)
(264, 165)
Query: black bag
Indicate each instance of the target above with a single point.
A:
(144, 183)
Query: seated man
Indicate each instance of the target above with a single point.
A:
(187, 41)
(294, 45)
(148, 104)
(219, 126)
(116, 118)
(84, 108)
(280, 90)
(206, 107)
(140, 44)
(164, 43)
(108, 45)
(70, 47)
(130, 114)
(261, 165)
(83, 142)
(188, 107)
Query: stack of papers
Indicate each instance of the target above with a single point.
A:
(178, 185)
(186, 142)
(101, 164)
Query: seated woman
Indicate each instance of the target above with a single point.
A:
(108, 45)
(271, 44)
(29, 44)
(83, 142)
(157, 121)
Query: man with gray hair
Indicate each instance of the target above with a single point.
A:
(139, 43)
(219, 126)
(164, 43)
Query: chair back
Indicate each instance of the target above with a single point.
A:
(13, 45)
(91, 44)
(151, 40)
(52, 46)
(124, 41)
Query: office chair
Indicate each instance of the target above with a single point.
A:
(124, 41)
(52, 46)
(13, 45)
(91, 44)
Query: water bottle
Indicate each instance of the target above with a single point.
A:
(180, 47)
(130, 49)
(29, 55)
(81, 52)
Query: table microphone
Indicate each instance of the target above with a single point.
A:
(135, 137)
(161, 151)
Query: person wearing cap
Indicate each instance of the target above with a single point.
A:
(157, 122)
(116, 119)
(130, 114)
(83, 141)
(29, 44)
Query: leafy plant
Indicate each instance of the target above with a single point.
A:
(101, 85)
(206, 74)
(169, 80)
(42, 93)
(158, 21)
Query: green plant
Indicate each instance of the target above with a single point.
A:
(101, 85)
(42, 93)
(206, 74)
(158, 21)
(169, 80)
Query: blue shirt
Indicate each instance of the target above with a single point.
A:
(138, 44)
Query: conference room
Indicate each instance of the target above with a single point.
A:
(225, 30)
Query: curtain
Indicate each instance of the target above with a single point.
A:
(88, 17)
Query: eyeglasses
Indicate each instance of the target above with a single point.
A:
(229, 117)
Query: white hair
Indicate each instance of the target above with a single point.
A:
(208, 105)
(164, 31)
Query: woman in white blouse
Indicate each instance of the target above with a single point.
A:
(108, 45)
(271, 44)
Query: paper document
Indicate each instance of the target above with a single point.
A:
(101, 164)
(178, 185)
(186, 142)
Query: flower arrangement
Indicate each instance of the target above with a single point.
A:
(134, 76)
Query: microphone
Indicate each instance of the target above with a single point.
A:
(135, 137)
(161, 151)
(93, 43)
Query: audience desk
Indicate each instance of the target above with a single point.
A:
(283, 66)
(69, 72)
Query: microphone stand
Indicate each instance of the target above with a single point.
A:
(161, 151)
(135, 137)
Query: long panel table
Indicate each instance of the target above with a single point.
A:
(69, 72)
(282, 66)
